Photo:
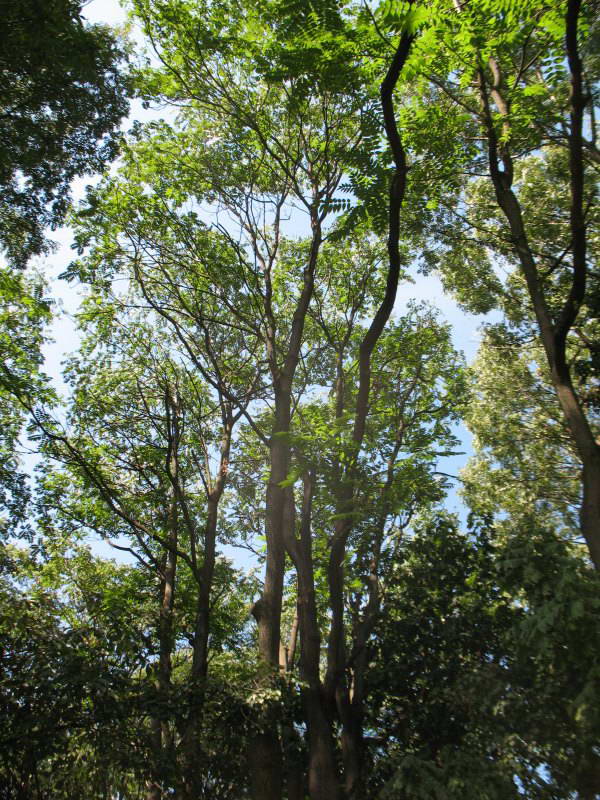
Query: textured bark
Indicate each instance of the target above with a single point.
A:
(161, 730)
(352, 746)
(323, 779)
(265, 753)
(166, 636)
(265, 766)
(270, 604)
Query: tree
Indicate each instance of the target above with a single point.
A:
(499, 72)
(146, 453)
(283, 157)
(63, 95)
(176, 265)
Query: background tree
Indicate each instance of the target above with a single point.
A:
(63, 95)
(146, 453)
(524, 457)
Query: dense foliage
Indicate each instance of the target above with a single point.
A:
(62, 96)
(259, 430)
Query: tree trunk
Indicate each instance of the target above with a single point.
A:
(163, 740)
(352, 747)
(554, 343)
(554, 331)
(265, 753)
(192, 751)
(295, 772)
(323, 777)
(589, 452)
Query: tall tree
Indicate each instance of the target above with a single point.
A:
(63, 93)
(502, 72)
(290, 142)
(149, 447)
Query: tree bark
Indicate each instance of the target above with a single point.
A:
(162, 736)
(265, 753)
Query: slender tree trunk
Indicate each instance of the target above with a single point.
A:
(294, 764)
(162, 736)
(554, 331)
(351, 700)
(554, 344)
(336, 685)
(166, 640)
(162, 743)
(352, 747)
(269, 611)
(589, 452)
(323, 777)
(294, 767)
(265, 753)
(191, 744)
(192, 753)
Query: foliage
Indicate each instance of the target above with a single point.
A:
(69, 699)
(524, 457)
(24, 312)
(62, 96)
(453, 669)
